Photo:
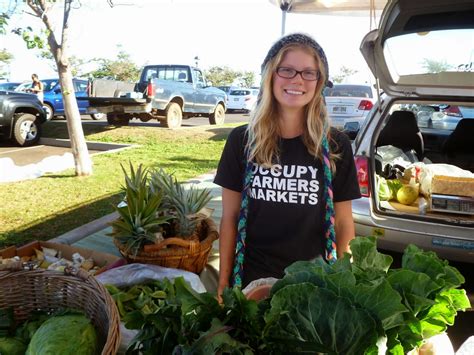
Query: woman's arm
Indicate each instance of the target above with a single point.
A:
(228, 231)
(344, 226)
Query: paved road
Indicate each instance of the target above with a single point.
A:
(29, 155)
(193, 121)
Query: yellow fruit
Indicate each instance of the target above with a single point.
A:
(407, 194)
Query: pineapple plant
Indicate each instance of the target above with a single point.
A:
(140, 214)
(185, 206)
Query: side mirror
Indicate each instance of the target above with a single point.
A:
(57, 91)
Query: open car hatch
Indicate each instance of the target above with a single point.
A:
(423, 48)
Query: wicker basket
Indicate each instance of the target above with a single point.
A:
(31, 290)
(178, 253)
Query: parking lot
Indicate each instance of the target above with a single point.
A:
(35, 154)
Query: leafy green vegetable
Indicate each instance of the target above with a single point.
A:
(66, 334)
(358, 305)
(394, 185)
(384, 192)
(7, 322)
(304, 317)
(12, 346)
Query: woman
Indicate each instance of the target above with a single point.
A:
(287, 179)
(37, 87)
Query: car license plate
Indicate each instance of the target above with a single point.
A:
(339, 109)
(236, 99)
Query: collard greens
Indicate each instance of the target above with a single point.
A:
(358, 305)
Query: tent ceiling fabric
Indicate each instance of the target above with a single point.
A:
(330, 7)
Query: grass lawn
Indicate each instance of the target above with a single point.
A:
(54, 204)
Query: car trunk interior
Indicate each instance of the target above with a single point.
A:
(426, 145)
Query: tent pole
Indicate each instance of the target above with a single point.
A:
(283, 22)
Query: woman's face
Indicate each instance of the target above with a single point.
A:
(295, 93)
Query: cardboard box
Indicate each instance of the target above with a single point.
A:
(102, 260)
(454, 186)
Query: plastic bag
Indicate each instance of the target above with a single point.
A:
(259, 282)
(132, 274)
(423, 174)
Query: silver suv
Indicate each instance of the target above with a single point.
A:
(419, 133)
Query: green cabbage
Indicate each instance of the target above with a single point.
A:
(394, 185)
(67, 334)
(12, 346)
(383, 190)
(387, 189)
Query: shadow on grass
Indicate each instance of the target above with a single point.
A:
(220, 134)
(62, 222)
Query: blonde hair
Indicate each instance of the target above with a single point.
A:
(263, 128)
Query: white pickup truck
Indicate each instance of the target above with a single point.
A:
(168, 93)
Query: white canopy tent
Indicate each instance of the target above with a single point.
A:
(330, 7)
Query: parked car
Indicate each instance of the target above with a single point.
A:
(53, 98)
(348, 102)
(442, 116)
(10, 86)
(242, 99)
(407, 135)
(21, 117)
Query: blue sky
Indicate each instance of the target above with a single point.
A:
(235, 33)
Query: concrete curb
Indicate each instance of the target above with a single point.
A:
(85, 230)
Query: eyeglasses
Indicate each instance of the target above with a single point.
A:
(290, 73)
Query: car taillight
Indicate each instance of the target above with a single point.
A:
(362, 169)
(366, 105)
(453, 111)
(150, 89)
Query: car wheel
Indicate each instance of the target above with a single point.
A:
(97, 116)
(118, 120)
(174, 116)
(49, 112)
(26, 131)
(218, 116)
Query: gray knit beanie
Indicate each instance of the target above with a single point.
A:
(298, 38)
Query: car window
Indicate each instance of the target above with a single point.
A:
(239, 92)
(150, 73)
(179, 73)
(349, 91)
(440, 117)
(425, 56)
(80, 85)
(49, 84)
(199, 77)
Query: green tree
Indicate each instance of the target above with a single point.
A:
(5, 59)
(435, 66)
(220, 76)
(57, 42)
(343, 73)
(248, 78)
(121, 69)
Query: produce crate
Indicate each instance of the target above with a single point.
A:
(102, 260)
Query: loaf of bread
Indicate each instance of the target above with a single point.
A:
(450, 185)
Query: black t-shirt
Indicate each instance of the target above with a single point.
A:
(286, 207)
